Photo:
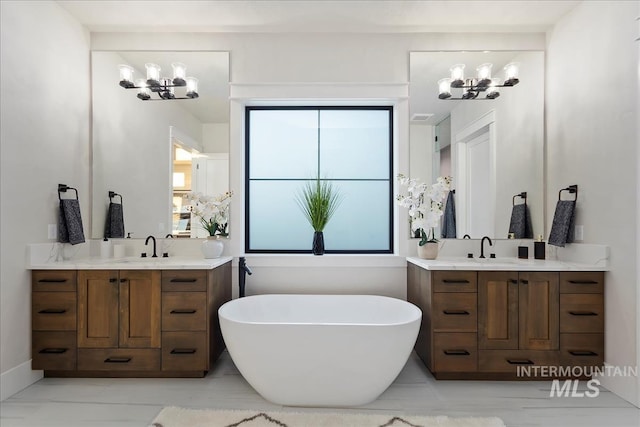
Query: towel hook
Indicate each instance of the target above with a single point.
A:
(572, 189)
(523, 195)
(62, 188)
(113, 194)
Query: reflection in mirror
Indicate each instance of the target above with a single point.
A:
(154, 151)
(492, 148)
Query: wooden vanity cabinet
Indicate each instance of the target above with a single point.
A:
(485, 324)
(128, 323)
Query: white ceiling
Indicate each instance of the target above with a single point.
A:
(318, 16)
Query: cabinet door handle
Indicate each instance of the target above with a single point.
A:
(117, 360)
(583, 282)
(520, 362)
(52, 311)
(456, 352)
(582, 353)
(183, 311)
(183, 280)
(514, 281)
(458, 281)
(53, 350)
(113, 280)
(524, 282)
(52, 280)
(123, 280)
(183, 351)
(583, 313)
(456, 312)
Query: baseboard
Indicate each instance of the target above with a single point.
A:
(18, 378)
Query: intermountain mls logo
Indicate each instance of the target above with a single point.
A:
(561, 387)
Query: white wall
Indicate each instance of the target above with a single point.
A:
(215, 137)
(44, 141)
(591, 116)
(132, 151)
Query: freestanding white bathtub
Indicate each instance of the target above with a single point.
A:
(319, 350)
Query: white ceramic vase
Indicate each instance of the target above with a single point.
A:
(212, 247)
(428, 251)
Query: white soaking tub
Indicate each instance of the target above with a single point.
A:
(319, 350)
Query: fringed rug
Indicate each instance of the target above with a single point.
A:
(182, 417)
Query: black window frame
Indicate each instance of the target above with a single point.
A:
(247, 179)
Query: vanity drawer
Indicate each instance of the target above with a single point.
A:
(53, 350)
(184, 311)
(53, 280)
(455, 312)
(582, 349)
(455, 352)
(581, 282)
(184, 351)
(455, 281)
(508, 361)
(115, 359)
(582, 313)
(184, 280)
(53, 311)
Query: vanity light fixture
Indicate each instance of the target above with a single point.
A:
(472, 87)
(162, 86)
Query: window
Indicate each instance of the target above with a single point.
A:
(350, 146)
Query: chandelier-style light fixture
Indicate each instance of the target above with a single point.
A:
(472, 87)
(162, 86)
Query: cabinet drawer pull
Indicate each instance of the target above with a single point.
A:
(53, 311)
(524, 282)
(583, 313)
(123, 280)
(53, 350)
(183, 311)
(113, 280)
(520, 362)
(582, 353)
(183, 351)
(117, 360)
(183, 280)
(514, 281)
(456, 312)
(455, 281)
(456, 352)
(583, 282)
(52, 280)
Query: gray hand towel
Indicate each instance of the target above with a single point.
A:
(70, 222)
(520, 224)
(114, 225)
(562, 226)
(449, 218)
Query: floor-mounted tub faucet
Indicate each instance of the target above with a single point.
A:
(482, 245)
(243, 270)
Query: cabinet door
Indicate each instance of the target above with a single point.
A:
(97, 308)
(539, 310)
(498, 310)
(140, 301)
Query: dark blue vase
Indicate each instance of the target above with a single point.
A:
(318, 243)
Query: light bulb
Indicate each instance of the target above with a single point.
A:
(457, 75)
(511, 74)
(484, 74)
(153, 74)
(179, 73)
(492, 90)
(126, 75)
(143, 91)
(192, 87)
(444, 87)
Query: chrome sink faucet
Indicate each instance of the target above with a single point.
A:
(482, 246)
(155, 255)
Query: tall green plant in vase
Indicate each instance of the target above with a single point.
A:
(318, 200)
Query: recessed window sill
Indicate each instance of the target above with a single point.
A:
(327, 260)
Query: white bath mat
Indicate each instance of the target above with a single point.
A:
(182, 417)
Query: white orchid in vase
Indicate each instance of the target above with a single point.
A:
(425, 205)
(213, 211)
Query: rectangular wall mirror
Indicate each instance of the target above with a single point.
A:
(492, 148)
(151, 152)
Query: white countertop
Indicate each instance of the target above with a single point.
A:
(503, 264)
(134, 263)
